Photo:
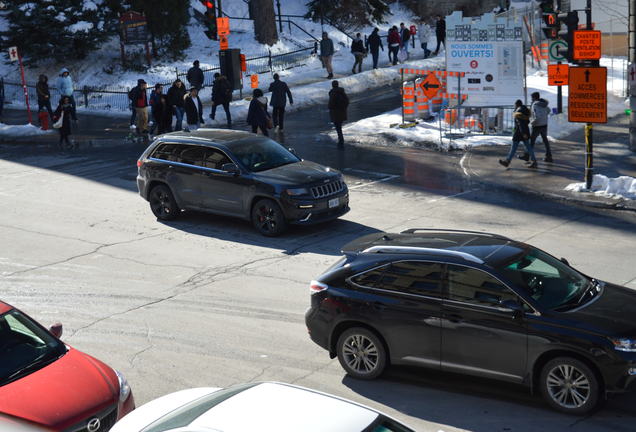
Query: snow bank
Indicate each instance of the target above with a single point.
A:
(26, 130)
(617, 187)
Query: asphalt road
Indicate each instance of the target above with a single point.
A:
(206, 301)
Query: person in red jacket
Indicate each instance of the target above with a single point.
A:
(394, 41)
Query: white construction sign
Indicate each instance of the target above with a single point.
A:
(494, 71)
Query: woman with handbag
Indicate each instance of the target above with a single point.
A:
(62, 118)
(257, 115)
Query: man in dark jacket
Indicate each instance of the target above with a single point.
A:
(44, 95)
(405, 34)
(521, 133)
(326, 53)
(176, 93)
(440, 33)
(374, 44)
(358, 51)
(338, 104)
(193, 110)
(221, 95)
(280, 92)
(155, 100)
(539, 122)
(139, 100)
(195, 76)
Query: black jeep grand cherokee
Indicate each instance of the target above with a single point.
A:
(240, 174)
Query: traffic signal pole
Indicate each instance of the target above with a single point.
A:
(632, 60)
(589, 142)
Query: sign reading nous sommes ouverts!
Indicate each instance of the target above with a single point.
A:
(489, 51)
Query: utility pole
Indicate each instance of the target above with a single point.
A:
(280, 19)
(632, 61)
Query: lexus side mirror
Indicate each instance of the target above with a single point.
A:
(230, 168)
(564, 261)
(56, 330)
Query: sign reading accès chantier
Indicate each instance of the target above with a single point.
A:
(587, 100)
(494, 71)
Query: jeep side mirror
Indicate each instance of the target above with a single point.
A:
(230, 168)
(56, 330)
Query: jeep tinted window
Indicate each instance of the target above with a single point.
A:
(167, 152)
(191, 155)
(474, 286)
(215, 159)
(413, 277)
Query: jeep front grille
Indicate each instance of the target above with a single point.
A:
(327, 189)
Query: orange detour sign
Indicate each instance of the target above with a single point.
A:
(558, 74)
(587, 101)
(587, 44)
(223, 26)
(254, 81)
(243, 63)
(430, 85)
(223, 43)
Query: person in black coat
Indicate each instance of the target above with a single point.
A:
(374, 44)
(195, 76)
(440, 33)
(257, 115)
(64, 110)
(44, 95)
(358, 50)
(176, 94)
(162, 113)
(521, 133)
(338, 104)
(280, 92)
(221, 95)
(193, 109)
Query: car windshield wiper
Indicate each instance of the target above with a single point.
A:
(593, 284)
(38, 363)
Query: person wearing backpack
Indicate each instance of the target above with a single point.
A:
(358, 51)
(221, 95)
(338, 104)
(280, 92)
(176, 94)
(139, 99)
(521, 133)
(195, 76)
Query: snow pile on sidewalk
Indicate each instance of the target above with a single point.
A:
(318, 93)
(618, 187)
(26, 130)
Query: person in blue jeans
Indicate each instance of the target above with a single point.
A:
(175, 96)
(521, 133)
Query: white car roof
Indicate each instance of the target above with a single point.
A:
(275, 407)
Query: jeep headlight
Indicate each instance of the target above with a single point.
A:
(297, 191)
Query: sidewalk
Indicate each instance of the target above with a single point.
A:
(612, 158)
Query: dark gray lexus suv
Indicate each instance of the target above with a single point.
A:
(237, 173)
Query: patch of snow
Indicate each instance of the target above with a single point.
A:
(81, 26)
(61, 17)
(26, 130)
(617, 187)
(89, 6)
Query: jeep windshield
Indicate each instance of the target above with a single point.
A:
(260, 154)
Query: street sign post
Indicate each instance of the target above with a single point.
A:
(557, 50)
(558, 74)
(14, 55)
(587, 45)
(223, 26)
(430, 85)
(588, 95)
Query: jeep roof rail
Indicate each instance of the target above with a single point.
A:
(414, 230)
(416, 250)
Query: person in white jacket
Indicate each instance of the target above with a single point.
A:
(64, 85)
(424, 31)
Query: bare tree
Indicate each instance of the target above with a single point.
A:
(264, 21)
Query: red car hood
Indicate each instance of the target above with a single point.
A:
(62, 393)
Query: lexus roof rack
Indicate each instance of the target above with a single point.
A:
(420, 250)
(414, 230)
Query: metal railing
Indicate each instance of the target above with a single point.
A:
(464, 120)
(115, 98)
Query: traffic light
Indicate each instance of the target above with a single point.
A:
(571, 22)
(551, 25)
(546, 6)
(209, 20)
